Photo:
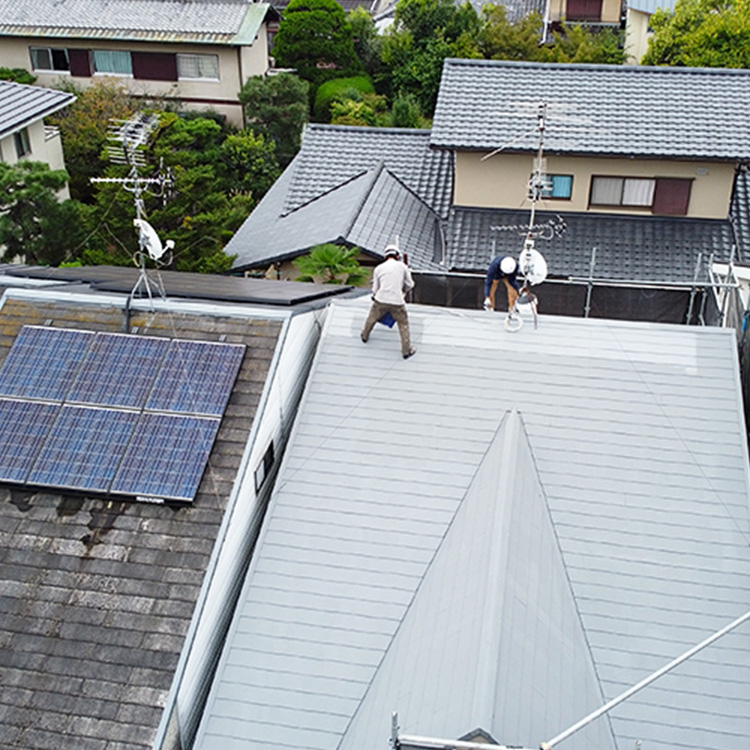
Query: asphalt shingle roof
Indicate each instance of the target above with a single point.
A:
(95, 595)
(611, 110)
(518, 528)
(628, 248)
(21, 105)
(217, 21)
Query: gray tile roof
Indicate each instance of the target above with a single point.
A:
(515, 10)
(368, 211)
(611, 110)
(96, 596)
(628, 248)
(740, 214)
(22, 105)
(333, 154)
(210, 21)
(476, 544)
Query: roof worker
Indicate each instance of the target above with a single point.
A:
(502, 268)
(390, 282)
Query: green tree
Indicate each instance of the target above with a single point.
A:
(277, 108)
(338, 89)
(701, 33)
(249, 164)
(406, 113)
(362, 109)
(331, 264)
(34, 225)
(84, 129)
(17, 75)
(499, 39)
(368, 44)
(316, 39)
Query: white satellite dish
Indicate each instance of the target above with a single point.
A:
(149, 240)
(532, 265)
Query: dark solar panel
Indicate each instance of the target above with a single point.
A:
(166, 457)
(119, 370)
(23, 427)
(43, 362)
(196, 378)
(84, 448)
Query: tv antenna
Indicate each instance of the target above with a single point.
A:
(531, 262)
(127, 143)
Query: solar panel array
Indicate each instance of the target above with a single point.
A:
(112, 413)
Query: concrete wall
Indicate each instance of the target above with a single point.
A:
(502, 181)
(236, 64)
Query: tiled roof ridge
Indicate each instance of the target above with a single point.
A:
(345, 182)
(425, 133)
(412, 192)
(373, 174)
(659, 69)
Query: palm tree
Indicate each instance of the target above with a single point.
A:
(331, 264)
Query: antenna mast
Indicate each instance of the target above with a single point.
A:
(127, 140)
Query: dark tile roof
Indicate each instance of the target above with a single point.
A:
(594, 109)
(740, 214)
(332, 154)
(96, 595)
(209, 21)
(369, 211)
(22, 105)
(656, 250)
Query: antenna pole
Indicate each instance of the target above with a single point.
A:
(643, 683)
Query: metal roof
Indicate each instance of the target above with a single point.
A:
(478, 544)
(605, 110)
(207, 21)
(22, 105)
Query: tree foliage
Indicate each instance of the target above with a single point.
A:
(17, 75)
(331, 264)
(33, 224)
(339, 89)
(84, 128)
(277, 108)
(316, 40)
(701, 33)
(361, 109)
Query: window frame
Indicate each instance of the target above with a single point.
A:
(97, 72)
(22, 142)
(50, 51)
(547, 197)
(181, 56)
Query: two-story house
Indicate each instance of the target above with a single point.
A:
(23, 134)
(646, 172)
(196, 55)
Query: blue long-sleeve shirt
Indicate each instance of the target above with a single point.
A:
(495, 274)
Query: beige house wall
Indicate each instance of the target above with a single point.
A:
(236, 64)
(502, 181)
(636, 35)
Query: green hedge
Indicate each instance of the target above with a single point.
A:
(339, 88)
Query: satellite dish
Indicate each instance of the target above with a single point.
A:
(532, 265)
(149, 240)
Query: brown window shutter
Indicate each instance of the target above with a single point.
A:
(80, 64)
(672, 196)
(154, 66)
(584, 10)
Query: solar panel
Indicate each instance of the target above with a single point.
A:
(119, 370)
(166, 457)
(23, 427)
(196, 378)
(84, 448)
(43, 362)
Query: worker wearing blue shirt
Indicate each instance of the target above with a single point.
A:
(502, 268)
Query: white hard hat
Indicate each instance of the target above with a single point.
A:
(392, 251)
(508, 265)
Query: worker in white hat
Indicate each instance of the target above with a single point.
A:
(390, 282)
(503, 268)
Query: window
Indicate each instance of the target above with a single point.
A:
(584, 10)
(558, 186)
(154, 66)
(264, 468)
(198, 66)
(113, 62)
(663, 195)
(49, 58)
(23, 145)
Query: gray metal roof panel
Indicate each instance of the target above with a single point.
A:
(649, 592)
(22, 105)
(210, 21)
(332, 154)
(628, 248)
(612, 110)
